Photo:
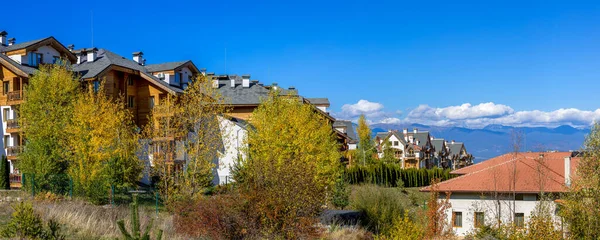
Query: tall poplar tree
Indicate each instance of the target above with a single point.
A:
(366, 147)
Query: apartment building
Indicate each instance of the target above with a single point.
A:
(419, 149)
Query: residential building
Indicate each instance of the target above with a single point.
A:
(18, 62)
(505, 189)
(412, 149)
(346, 127)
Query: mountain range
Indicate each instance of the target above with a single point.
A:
(495, 140)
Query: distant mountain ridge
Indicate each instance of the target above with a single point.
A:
(494, 140)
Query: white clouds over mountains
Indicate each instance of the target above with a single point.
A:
(471, 116)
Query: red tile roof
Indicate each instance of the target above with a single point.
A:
(533, 174)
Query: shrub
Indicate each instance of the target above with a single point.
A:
(391, 175)
(341, 194)
(25, 223)
(380, 207)
(216, 217)
(404, 228)
(136, 233)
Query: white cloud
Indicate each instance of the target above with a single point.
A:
(471, 116)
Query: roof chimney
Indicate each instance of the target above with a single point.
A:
(215, 83)
(246, 81)
(12, 41)
(71, 47)
(81, 55)
(415, 130)
(203, 71)
(137, 57)
(232, 81)
(452, 141)
(274, 85)
(568, 171)
(3, 35)
(91, 54)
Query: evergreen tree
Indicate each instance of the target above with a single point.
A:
(4, 173)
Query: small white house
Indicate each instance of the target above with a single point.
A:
(506, 189)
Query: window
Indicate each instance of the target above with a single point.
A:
(479, 219)
(6, 138)
(130, 100)
(395, 143)
(5, 113)
(129, 81)
(5, 87)
(519, 219)
(35, 59)
(177, 77)
(96, 86)
(151, 101)
(457, 219)
(519, 196)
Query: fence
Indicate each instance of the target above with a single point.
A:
(98, 192)
(389, 175)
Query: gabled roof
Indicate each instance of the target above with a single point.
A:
(40, 42)
(455, 148)
(21, 70)
(422, 136)
(438, 144)
(240, 95)
(319, 101)
(168, 66)
(349, 129)
(106, 58)
(385, 135)
(496, 175)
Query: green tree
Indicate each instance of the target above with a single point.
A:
(580, 209)
(366, 148)
(341, 193)
(4, 173)
(44, 118)
(293, 163)
(389, 154)
(136, 233)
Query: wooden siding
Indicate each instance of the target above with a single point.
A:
(244, 113)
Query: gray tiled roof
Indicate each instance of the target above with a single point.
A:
(106, 58)
(438, 144)
(349, 128)
(319, 101)
(455, 148)
(26, 69)
(22, 45)
(164, 66)
(240, 95)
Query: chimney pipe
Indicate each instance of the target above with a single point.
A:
(452, 141)
(3, 35)
(246, 81)
(71, 47)
(415, 130)
(568, 171)
(203, 71)
(137, 57)
(232, 82)
(12, 41)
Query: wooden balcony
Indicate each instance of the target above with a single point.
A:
(15, 97)
(15, 181)
(13, 151)
(12, 126)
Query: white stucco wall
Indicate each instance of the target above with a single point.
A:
(18, 58)
(468, 204)
(233, 142)
(48, 53)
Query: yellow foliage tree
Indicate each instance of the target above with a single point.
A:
(184, 135)
(365, 145)
(292, 165)
(103, 141)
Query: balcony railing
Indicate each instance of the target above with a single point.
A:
(15, 178)
(12, 124)
(13, 150)
(15, 96)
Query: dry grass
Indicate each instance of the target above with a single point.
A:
(87, 221)
(348, 233)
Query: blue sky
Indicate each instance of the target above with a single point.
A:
(407, 61)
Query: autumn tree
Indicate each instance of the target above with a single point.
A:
(366, 147)
(103, 142)
(292, 165)
(389, 153)
(184, 135)
(44, 118)
(437, 224)
(581, 210)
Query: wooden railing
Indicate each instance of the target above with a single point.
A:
(15, 178)
(12, 124)
(15, 95)
(14, 150)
